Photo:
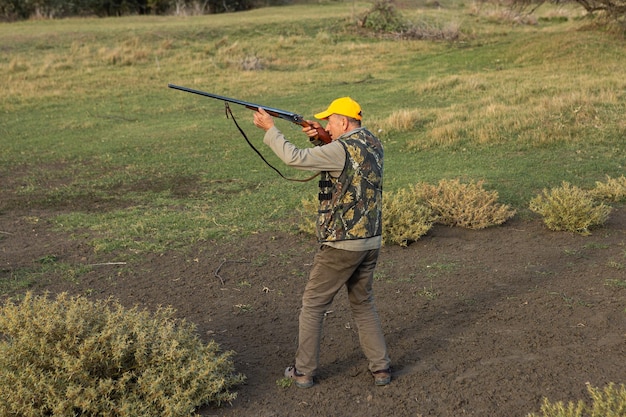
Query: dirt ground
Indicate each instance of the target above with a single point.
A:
(478, 323)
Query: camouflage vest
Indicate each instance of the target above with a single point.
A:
(351, 205)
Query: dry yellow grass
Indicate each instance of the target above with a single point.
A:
(497, 116)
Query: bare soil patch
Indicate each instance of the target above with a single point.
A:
(479, 323)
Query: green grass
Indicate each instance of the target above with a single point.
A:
(45, 267)
(90, 132)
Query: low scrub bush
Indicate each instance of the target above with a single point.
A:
(608, 402)
(74, 357)
(383, 17)
(408, 214)
(464, 205)
(406, 217)
(569, 208)
(614, 189)
(428, 31)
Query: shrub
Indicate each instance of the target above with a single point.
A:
(383, 17)
(569, 208)
(609, 402)
(72, 357)
(429, 31)
(464, 205)
(408, 214)
(406, 217)
(614, 189)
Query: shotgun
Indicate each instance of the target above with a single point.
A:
(322, 137)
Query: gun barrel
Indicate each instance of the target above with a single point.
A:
(287, 115)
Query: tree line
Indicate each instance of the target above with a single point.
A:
(12, 10)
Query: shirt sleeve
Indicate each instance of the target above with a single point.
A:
(330, 157)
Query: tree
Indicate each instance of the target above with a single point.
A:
(614, 9)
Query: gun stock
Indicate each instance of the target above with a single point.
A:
(322, 135)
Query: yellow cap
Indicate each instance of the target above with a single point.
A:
(344, 106)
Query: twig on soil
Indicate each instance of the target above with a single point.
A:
(108, 263)
(217, 271)
(6, 233)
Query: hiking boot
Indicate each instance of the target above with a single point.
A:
(382, 377)
(301, 380)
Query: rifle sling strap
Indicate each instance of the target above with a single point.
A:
(229, 113)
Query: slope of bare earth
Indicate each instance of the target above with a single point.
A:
(478, 323)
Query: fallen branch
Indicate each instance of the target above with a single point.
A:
(108, 263)
(217, 271)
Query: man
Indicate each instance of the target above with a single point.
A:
(349, 228)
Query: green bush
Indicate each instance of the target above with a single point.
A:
(406, 217)
(383, 17)
(408, 214)
(464, 205)
(614, 189)
(609, 402)
(569, 208)
(71, 357)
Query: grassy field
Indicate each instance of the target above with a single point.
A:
(90, 132)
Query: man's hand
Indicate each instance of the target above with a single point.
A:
(263, 120)
(312, 129)
(318, 136)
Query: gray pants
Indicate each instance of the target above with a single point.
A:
(332, 268)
